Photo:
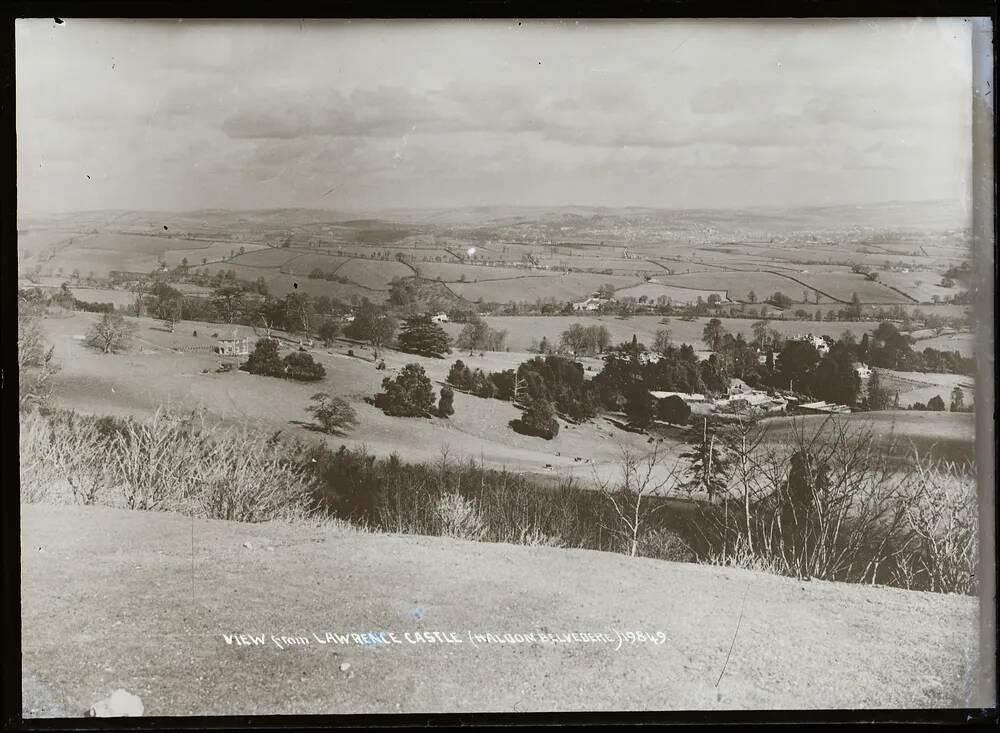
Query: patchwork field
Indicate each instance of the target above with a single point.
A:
(281, 284)
(654, 289)
(939, 435)
(522, 330)
(922, 285)
(374, 274)
(559, 287)
(843, 286)
(272, 257)
(454, 272)
(916, 387)
(963, 343)
(211, 251)
(739, 284)
(304, 263)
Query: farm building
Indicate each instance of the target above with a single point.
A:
(753, 400)
(233, 347)
(824, 408)
(686, 396)
(590, 304)
(817, 341)
(440, 318)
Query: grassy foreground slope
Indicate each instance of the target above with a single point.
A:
(113, 598)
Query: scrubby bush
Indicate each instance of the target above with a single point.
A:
(460, 518)
(175, 461)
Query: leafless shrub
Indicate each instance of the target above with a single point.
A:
(460, 518)
(534, 537)
(154, 462)
(941, 512)
(37, 472)
(665, 544)
(61, 460)
(835, 504)
(244, 477)
(740, 556)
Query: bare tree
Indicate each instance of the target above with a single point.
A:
(111, 333)
(634, 499)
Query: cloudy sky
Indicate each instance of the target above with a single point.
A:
(171, 115)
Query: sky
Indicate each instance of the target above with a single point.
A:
(366, 115)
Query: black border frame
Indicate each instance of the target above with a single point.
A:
(10, 515)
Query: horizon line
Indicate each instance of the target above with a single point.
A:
(467, 207)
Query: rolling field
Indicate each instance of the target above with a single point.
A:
(272, 257)
(210, 251)
(281, 284)
(921, 285)
(305, 263)
(940, 435)
(374, 274)
(33, 242)
(739, 284)
(843, 285)
(963, 343)
(522, 329)
(101, 261)
(916, 387)
(654, 290)
(455, 272)
(135, 243)
(561, 287)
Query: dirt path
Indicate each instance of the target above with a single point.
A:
(156, 603)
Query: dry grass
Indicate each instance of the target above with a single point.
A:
(174, 462)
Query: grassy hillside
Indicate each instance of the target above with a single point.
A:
(113, 598)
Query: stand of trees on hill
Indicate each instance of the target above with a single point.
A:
(266, 360)
(409, 394)
(421, 335)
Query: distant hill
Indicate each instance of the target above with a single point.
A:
(911, 216)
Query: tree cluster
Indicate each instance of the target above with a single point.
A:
(266, 360)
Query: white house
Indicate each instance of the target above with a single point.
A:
(863, 371)
(817, 341)
(440, 318)
(590, 304)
